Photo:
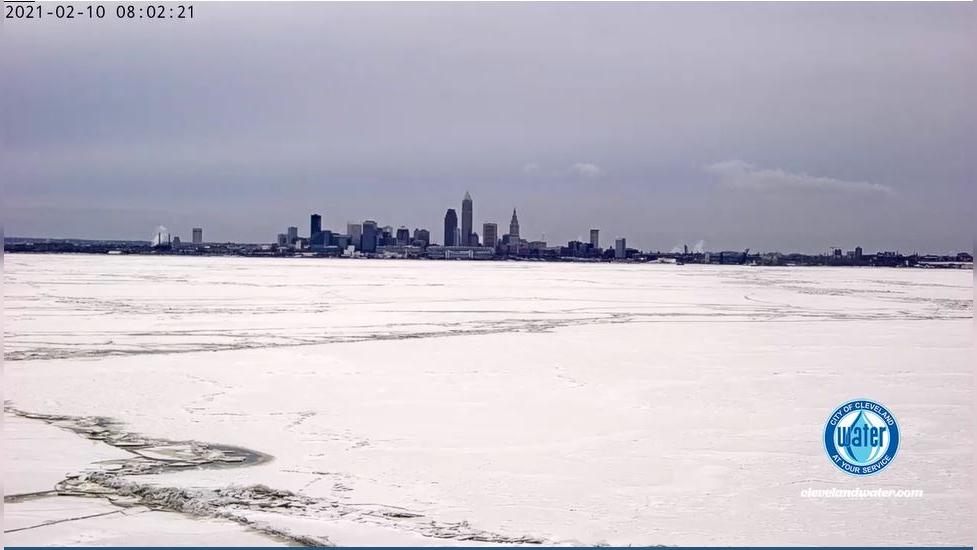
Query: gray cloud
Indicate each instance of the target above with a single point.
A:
(586, 169)
(738, 174)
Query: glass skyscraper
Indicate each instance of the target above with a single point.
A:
(450, 228)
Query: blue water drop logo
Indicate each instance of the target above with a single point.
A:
(861, 437)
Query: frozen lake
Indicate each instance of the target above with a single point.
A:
(419, 402)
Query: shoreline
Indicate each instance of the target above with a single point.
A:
(961, 260)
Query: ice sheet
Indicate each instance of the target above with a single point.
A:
(626, 404)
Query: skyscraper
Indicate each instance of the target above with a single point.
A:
(422, 237)
(355, 232)
(403, 235)
(620, 249)
(315, 224)
(595, 238)
(450, 227)
(198, 235)
(514, 227)
(368, 240)
(293, 234)
(490, 234)
(315, 229)
(466, 220)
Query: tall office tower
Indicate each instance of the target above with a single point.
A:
(315, 225)
(355, 232)
(403, 235)
(282, 239)
(315, 230)
(450, 227)
(422, 236)
(620, 248)
(293, 234)
(514, 227)
(198, 235)
(490, 234)
(466, 220)
(595, 238)
(368, 240)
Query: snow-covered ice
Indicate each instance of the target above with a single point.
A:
(38, 456)
(420, 403)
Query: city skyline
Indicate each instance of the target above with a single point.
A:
(355, 232)
(370, 239)
(453, 236)
(777, 127)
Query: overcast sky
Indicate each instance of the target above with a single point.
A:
(769, 126)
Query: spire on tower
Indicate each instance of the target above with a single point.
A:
(514, 226)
